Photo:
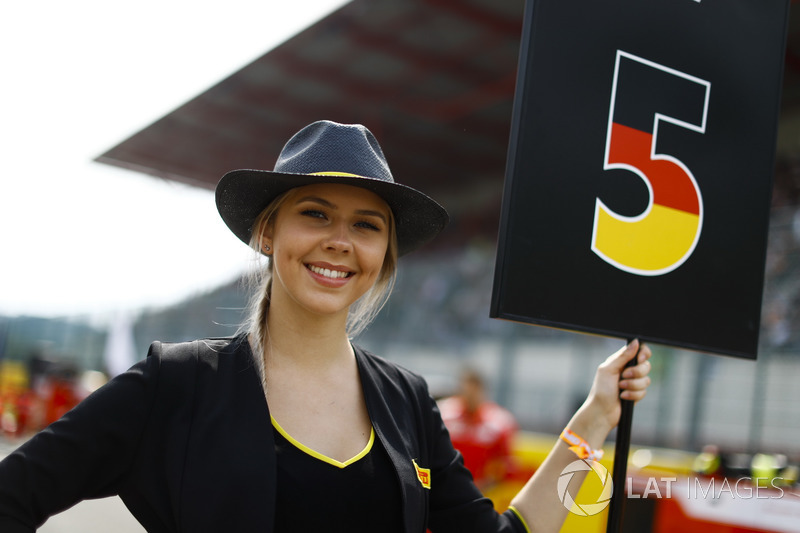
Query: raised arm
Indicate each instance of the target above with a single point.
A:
(538, 501)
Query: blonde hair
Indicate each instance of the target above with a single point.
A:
(259, 283)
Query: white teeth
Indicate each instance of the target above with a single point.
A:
(328, 273)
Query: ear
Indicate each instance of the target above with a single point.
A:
(266, 240)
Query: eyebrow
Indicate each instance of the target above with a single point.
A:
(326, 203)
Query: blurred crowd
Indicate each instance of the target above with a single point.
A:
(781, 313)
(33, 396)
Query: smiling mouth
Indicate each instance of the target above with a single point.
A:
(332, 274)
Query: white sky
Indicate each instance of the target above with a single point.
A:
(78, 77)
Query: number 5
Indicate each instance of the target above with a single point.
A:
(643, 96)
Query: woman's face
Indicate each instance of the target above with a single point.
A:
(328, 245)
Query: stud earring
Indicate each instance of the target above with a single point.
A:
(266, 248)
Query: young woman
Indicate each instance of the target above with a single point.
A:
(289, 426)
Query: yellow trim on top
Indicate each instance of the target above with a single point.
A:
(521, 519)
(335, 173)
(315, 454)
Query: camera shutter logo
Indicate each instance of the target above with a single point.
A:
(585, 509)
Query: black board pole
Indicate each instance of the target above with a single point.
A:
(622, 447)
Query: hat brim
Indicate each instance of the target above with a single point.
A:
(241, 195)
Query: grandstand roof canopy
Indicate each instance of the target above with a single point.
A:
(436, 90)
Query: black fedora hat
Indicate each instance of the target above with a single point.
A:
(329, 152)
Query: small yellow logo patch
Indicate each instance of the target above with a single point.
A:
(423, 474)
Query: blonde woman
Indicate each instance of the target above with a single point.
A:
(290, 426)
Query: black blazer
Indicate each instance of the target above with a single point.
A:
(185, 439)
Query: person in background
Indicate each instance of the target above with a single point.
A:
(481, 430)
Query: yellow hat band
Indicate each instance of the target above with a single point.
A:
(332, 173)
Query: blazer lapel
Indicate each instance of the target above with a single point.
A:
(388, 408)
(231, 450)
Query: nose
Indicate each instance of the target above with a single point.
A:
(338, 239)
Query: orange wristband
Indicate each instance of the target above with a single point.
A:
(580, 447)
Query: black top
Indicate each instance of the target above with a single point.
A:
(185, 439)
(316, 492)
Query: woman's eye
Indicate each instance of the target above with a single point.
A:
(313, 213)
(367, 225)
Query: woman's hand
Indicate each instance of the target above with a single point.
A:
(613, 382)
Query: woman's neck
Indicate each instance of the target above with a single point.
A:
(311, 341)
